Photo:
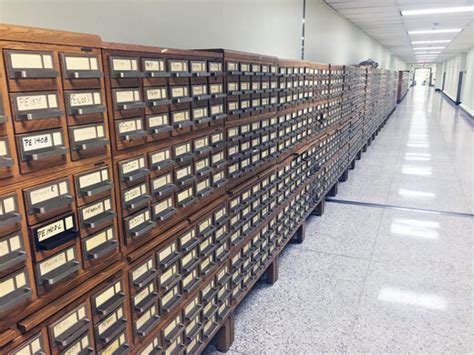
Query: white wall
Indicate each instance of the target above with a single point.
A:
(332, 38)
(452, 67)
(468, 84)
(270, 27)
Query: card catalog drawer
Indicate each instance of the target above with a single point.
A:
(161, 160)
(169, 278)
(10, 217)
(145, 298)
(83, 345)
(200, 115)
(37, 345)
(154, 347)
(92, 185)
(178, 68)
(124, 67)
(108, 299)
(30, 70)
(54, 233)
(112, 326)
(130, 132)
(47, 200)
(199, 68)
(183, 153)
(146, 322)
(142, 274)
(181, 118)
(100, 245)
(162, 186)
(41, 150)
(118, 345)
(96, 215)
(216, 90)
(173, 330)
(81, 70)
(135, 197)
(170, 299)
(220, 217)
(57, 268)
(84, 106)
(185, 197)
(218, 160)
(207, 264)
(12, 252)
(28, 107)
(139, 224)
(157, 96)
(202, 167)
(154, 68)
(158, 126)
(127, 102)
(204, 187)
(168, 255)
(188, 241)
(88, 140)
(68, 329)
(15, 290)
(164, 209)
(199, 91)
(219, 179)
(133, 170)
(190, 260)
(6, 161)
(183, 176)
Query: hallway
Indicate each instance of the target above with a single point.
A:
(374, 277)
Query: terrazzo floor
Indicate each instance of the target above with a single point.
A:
(371, 278)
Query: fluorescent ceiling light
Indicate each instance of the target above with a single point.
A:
(443, 10)
(428, 52)
(428, 42)
(451, 30)
(427, 48)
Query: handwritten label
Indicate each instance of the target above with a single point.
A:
(85, 99)
(55, 228)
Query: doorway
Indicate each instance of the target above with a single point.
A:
(422, 77)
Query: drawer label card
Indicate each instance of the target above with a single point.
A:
(69, 321)
(56, 261)
(179, 116)
(216, 88)
(139, 219)
(12, 283)
(127, 96)
(100, 238)
(156, 93)
(111, 320)
(148, 290)
(93, 178)
(85, 99)
(25, 60)
(178, 65)
(131, 125)
(160, 156)
(217, 109)
(124, 64)
(154, 65)
(81, 62)
(142, 269)
(215, 67)
(158, 120)
(198, 66)
(86, 133)
(48, 192)
(55, 228)
(41, 141)
(96, 209)
(36, 102)
(10, 244)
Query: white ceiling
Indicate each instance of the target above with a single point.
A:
(382, 20)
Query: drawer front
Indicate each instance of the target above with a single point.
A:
(92, 185)
(15, 290)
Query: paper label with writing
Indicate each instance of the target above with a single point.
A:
(154, 65)
(56, 261)
(99, 239)
(124, 64)
(129, 125)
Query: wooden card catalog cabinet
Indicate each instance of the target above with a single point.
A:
(37, 345)
(57, 268)
(100, 245)
(85, 106)
(87, 141)
(12, 252)
(33, 111)
(139, 224)
(54, 233)
(14, 291)
(30, 70)
(6, 161)
(96, 215)
(47, 200)
(41, 150)
(92, 185)
(72, 327)
(110, 328)
(147, 321)
(10, 217)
